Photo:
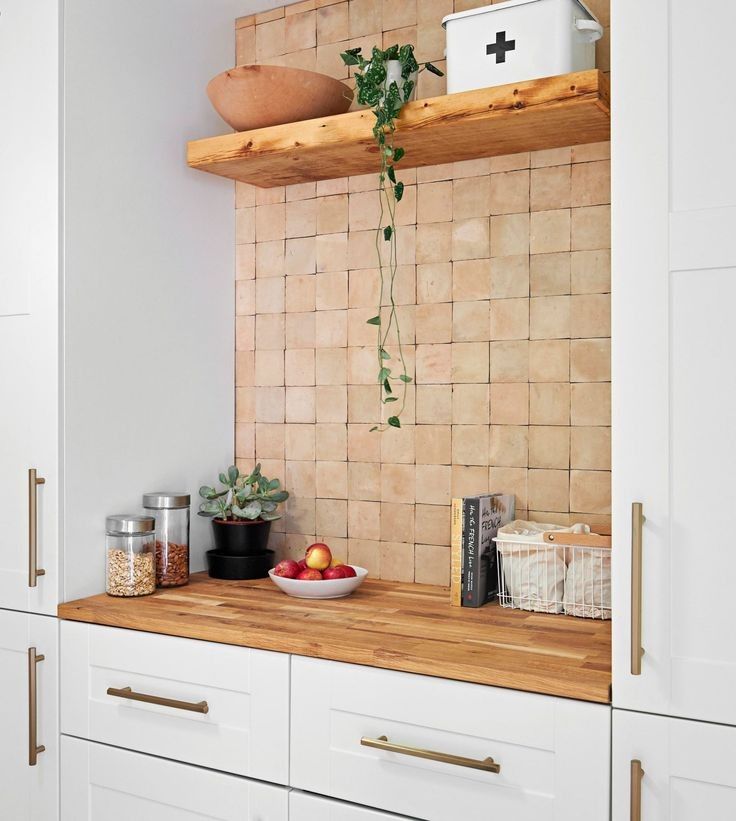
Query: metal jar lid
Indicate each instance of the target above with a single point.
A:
(161, 500)
(129, 524)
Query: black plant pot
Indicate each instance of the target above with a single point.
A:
(241, 537)
(225, 566)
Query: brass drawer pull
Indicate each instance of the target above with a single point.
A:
(34, 748)
(34, 571)
(637, 773)
(382, 743)
(637, 525)
(131, 695)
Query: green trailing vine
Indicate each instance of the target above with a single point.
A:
(387, 99)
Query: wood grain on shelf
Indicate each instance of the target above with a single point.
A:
(407, 627)
(548, 113)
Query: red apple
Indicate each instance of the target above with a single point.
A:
(348, 571)
(318, 556)
(288, 568)
(302, 564)
(310, 575)
(334, 573)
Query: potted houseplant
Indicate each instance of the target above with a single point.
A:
(242, 512)
(385, 81)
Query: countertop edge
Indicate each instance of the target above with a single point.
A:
(353, 654)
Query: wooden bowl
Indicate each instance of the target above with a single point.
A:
(249, 97)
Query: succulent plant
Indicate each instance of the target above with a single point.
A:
(244, 497)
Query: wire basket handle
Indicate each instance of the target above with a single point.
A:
(576, 539)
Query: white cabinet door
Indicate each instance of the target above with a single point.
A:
(304, 807)
(204, 703)
(100, 782)
(28, 790)
(688, 769)
(29, 286)
(674, 402)
(355, 731)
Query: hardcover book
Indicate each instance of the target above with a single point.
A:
(482, 517)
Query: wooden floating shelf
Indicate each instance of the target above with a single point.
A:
(549, 113)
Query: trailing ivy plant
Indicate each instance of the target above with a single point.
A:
(387, 99)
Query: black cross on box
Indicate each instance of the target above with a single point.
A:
(500, 47)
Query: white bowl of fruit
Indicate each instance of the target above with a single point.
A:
(317, 576)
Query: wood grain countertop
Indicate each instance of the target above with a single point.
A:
(407, 627)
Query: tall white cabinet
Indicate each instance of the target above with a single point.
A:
(674, 403)
(116, 306)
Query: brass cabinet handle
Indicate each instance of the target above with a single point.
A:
(637, 773)
(637, 524)
(33, 570)
(131, 695)
(382, 743)
(34, 748)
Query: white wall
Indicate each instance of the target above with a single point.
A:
(149, 260)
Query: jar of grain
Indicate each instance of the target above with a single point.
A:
(171, 512)
(131, 562)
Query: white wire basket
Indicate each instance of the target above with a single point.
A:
(561, 572)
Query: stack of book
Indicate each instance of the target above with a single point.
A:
(475, 522)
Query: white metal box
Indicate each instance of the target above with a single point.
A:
(519, 40)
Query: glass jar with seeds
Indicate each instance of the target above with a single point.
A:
(131, 558)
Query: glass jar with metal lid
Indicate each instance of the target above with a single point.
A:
(131, 562)
(171, 512)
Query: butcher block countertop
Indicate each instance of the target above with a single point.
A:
(407, 627)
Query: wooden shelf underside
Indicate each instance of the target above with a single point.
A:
(549, 113)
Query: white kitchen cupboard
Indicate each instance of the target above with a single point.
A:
(550, 756)
(29, 727)
(116, 267)
(305, 807)
(674, 386)
(214, 705)
(669, 769)
(100, 782)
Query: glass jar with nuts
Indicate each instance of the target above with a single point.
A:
(171, 512)
(131, 560)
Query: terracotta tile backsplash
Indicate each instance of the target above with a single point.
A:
(504, 300)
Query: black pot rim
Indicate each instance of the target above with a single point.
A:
(258, 521)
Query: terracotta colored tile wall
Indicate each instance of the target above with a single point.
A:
(504, 293)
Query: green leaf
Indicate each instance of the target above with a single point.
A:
(350, 59)
(375, 427)
(398, 154)
(407, 89)
(387, 386)
(390, 399)
(274, 484)
(399, 191)
(207, 492)
(394, 421)
(384, 373)
(251, 511)
(223, 479)
(405, 378)
(208, 508)
(387, 232)
(270, 517)
(233, 473)
(391, 173)
(434, 70)
(279, 496)
(385, 354)
(374, 320)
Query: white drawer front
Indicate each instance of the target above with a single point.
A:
(100, 782)
(245, 730)
(554, 754)
(303, 807)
